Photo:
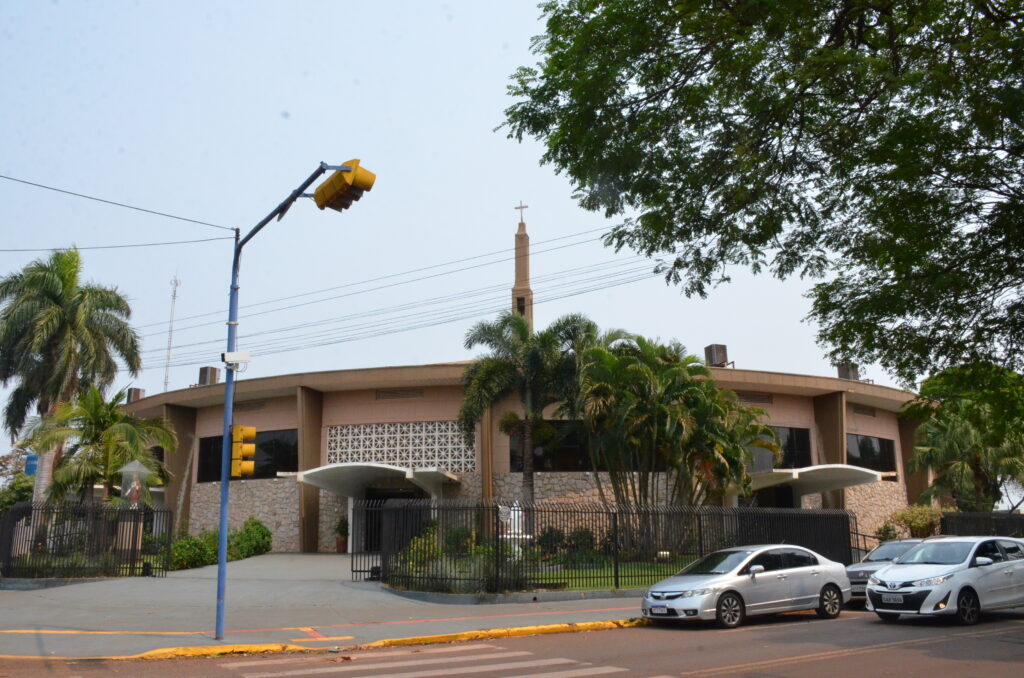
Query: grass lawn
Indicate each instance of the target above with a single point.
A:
(631, 576)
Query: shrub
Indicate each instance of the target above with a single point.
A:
(252, 540)
(341, 529)
(887, 533)
(581, 539)
(458, 541)
(551, 539)
(918, 520)
(189, 551)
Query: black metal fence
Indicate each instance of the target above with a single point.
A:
(983, 524)
(84, 540)
(462, 547)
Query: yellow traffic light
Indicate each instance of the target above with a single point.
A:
(342, 187)
(243, 449)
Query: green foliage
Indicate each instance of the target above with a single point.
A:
(253, 539)
(539, 367)
(877, 144)
(422, 549)
(919, 521)
(18, 490)
(341, 529)
(458, 541)
(59, 336)
(887, 533)
(581, 539)
(550, 540)
(972, 435)
(98, 438)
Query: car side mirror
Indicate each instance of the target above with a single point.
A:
(982, 561)
(756, 569)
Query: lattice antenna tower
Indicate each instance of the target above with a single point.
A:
(170, 331)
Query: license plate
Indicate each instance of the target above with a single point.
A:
(659, 609)
(892, 597)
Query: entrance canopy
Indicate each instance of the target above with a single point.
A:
(815, 479)
(352, 478)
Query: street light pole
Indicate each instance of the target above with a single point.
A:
(229, 385)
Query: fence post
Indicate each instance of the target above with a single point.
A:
(495, 586)
(615, 547)
(700, 531)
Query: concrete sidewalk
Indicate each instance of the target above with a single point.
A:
(298, 600)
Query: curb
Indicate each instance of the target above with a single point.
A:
(519, 597)
(512, 632)
(177, 652)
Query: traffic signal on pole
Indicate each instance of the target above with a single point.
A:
(243, 449)
(344, 186)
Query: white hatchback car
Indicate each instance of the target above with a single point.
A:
(951, 575)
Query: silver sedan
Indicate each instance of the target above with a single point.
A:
(731, 584)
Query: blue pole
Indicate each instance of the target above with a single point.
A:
(229, 392)
(225, 456)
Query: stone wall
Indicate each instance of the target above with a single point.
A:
(274, 502)
(332, 507)
(872, 503)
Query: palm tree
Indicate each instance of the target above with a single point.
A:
(58, 336)
(536, 366)
(973, 457)
(660, 426)
(99, 437)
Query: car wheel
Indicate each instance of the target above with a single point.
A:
(830, 602)
(730, 612)
(888, 616)
(968, 609)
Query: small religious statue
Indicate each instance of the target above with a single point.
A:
(134, 493)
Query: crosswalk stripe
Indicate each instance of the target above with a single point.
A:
(575, 673)
(375, 654)
(359, 666)
(485, 668)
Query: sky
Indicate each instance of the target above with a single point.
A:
(216, 111)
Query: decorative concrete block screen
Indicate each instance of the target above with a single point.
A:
(413, 444)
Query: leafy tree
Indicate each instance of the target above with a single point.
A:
(536, 366)
(58, 336)
(99, 438)
(661, 428)
(878, 144)
(12, 464)
(18, 490)
(972, 441)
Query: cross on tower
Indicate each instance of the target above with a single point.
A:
(521, 207)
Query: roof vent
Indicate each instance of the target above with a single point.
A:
(135, 394)
(716, 355)
(208, 376)
(848, 371)
(398, 393)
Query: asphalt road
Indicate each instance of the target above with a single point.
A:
(856, 645)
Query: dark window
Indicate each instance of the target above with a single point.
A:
(800, 558)
(275, 451)
(990, 549)
(795, 444)
(561, 449)
(772, 560)
(521, 305)
(1013, 550)
(877, 454)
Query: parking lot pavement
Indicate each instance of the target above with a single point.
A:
(297, 600)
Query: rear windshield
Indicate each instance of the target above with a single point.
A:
(718, 562)
(937, 553)
(887, 552)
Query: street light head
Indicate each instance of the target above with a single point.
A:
(344, 186)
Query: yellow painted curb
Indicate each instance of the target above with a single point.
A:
(176, 652)
(486, 634)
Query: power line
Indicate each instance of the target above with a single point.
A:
(114, 247)
(384, 277)
(116, 204)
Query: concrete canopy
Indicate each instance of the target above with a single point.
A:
(352, 478)
(814, 479)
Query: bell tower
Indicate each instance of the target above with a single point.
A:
(522, 295)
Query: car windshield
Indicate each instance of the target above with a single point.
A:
(887, 552)
(718, 562)
(936, 553)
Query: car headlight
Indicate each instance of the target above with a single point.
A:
(696, 592)
(874, 581)
(932, 581)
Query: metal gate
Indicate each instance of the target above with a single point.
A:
(364, 541)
